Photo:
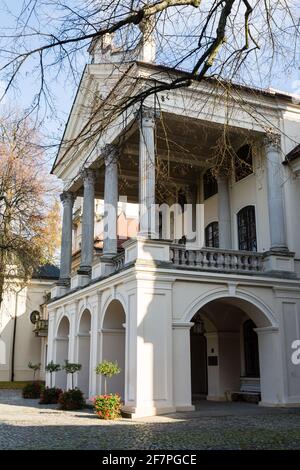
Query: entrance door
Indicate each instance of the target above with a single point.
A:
(198, 364)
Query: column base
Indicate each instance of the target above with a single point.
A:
(185, 408)
(141, 412)
(59, 290)
(80, 280)
(280, 405)
(104, 267)
(278, 260)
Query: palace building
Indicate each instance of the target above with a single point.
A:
(185, 321)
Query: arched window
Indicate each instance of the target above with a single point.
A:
(210, 185)
(212, 235)
(243, 162)
(247, 229)
(251, 349)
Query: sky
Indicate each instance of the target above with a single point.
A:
(62, 87)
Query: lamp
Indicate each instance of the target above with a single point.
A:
(198, 327)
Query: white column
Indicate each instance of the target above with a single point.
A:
(146, 170)
(182, 388)
(73, 313)
(270, 364)
(88, 215)
(224, 214)
(66, 238)
(111, 196)
(94, 347)
(51, 344)
(275, 194)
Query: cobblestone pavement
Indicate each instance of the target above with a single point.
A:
(26, 425)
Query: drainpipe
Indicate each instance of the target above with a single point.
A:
(14, 339)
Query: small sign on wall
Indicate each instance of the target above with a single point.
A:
(212, 360)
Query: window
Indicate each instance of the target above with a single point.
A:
(212, 235)
(210, 185)
(247, 229)
(243, 162)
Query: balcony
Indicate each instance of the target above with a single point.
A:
(41, 328)
(212, 259)
(170, 255)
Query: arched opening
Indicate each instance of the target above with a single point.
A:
(113, 345)
(225, 360)
(83, 345)
(62, 351)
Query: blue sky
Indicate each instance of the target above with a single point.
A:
(62, 87)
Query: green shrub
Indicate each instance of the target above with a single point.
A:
(32, 390)
(71, 400)
(50, 396)
(107, 406)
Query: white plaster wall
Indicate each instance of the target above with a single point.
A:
(159, 306)
(28, 346)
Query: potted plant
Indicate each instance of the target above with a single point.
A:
(50, 395)
(33, 389)
(72, 368)
(107, 369)
(71, 399)
(52, 367)
(107, 406)
(34, 367)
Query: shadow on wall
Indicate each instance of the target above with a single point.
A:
(27, 345)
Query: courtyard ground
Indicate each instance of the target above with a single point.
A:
(26, 425)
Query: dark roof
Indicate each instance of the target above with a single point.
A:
(47, 271)
(293, 154)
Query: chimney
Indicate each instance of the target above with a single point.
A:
(147, 46)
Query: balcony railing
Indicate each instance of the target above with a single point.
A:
(119, 261)
(41, 328)
(217, 259)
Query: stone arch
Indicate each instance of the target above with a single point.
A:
(62, 350)
(84, 350)
(227, 309)
(256, 309)
(113, 343)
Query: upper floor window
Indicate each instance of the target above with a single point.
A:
(210, 185)
(247, 229)
(212, 235)
(243, 162)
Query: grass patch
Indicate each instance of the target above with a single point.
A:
(14, 385)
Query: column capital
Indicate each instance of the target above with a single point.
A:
(148, 116)
(111, 154)
(272, 141)
(88, 175)
(67, 197)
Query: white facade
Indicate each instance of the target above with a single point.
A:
(18, 304)
(139, 307)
